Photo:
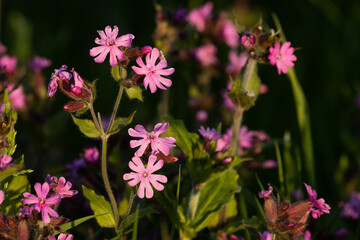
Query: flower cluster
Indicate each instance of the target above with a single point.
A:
(154, 146)
(290, 220)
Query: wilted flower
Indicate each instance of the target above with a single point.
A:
(153, 71)
(8, 63)
(199, 16)
(110, 43)
(283, 57)
(209, 134)
(318, 203)
(157, 143)
(5, 162)
(145, 176)
(41, 202)
(266, 193)
(59, 74)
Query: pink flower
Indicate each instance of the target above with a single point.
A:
(5, 162)
(145, 176)
(209, 134)
(157, 143)
(266, 194)
(227, 102)
(76, 89)
(266, 236)
(41, 202)
(247, 40)
(62, 236)
(318, 203)
(38, 63)
(110, 43)
(59, 74)
(8, 62)
(283, 57)
(206, 55)
(224, 143)
(201, 116)
(63, 188)
(245, 138)
(1, 196)
(198, 16)
(91, 155)
(237, 62)
(153, 71)
(263, 88)
(17, 96)
(230, 34)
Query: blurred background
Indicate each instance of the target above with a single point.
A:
(325, 34)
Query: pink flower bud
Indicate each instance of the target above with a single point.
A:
(74, 106)
(146, 49)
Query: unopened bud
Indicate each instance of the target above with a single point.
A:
(74, 106)
(138, 79)
(84, 94)
(23, 230)
(59, 221)
(270, 208)
(134, 52)
(299, 212)
(3, 222)
(146, 49)
(169, 158)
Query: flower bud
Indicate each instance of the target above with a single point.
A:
(23, 230)
(270, 208)
(74, 106)
(134, 53)
(146, 49)
(169, 158)
(247, 40)
(138, 79)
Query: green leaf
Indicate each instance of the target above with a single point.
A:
(134, 92)
(184, 139)
(23, 172)
(72, 224)
(87, 127)
(126, 222)
(206, 203)
(119, 123)
(13, 192)
(100, 206)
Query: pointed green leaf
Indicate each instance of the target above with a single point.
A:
(119, 123)
(100, 206)
(72, 224)
(87, 127)
(134, 92)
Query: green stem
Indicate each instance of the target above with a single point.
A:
(91, 107)
(131, 201)
(106, 180)
(116, 106)
(236, 129)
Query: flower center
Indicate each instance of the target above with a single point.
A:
(152, 70)
(151, 137)
(110, 42)
(278, 56)
(145, 174)
(42, 201)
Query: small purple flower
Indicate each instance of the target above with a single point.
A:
(209, 134)
(75, 166)
(206, 55)
(51, 179)
(63, 188)
(91, 155)
(145, 176)
(157, 143)
(5, 162)
(198, 16)
(41, 203)
(39, 63)
(341, 233)
(110, 43)
(1, 196)
(17, 96)
(153, 71)
(60, 74)
(351, 209)
(266, 193)
(265, 236)
(8, 62)
(318, 203)
(181, 15)
(24, 212)
(230, 34)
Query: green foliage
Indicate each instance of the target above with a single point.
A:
(119, 123)
(14, 191)
(72, 224)
(12, 170)
(100, 206)
(87, 127)
(135, 92)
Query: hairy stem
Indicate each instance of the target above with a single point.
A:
(107, 182)
(91, 107)
(131, 200)
(116, 106)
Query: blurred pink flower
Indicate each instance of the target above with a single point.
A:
(265, 236)
(153, 71)
(62, 236)
(91, 155)
(206, 55)
(270, 164)
(157, 143)
(2, 49)
(226, 100)
(198, 16)
(1, 196)
(283, 57)
(236, 63)
(201, 116)
(38, 63)
(263, 88)
(230, 34)
(266, 193)
(8, 62)
(224, 142)
(245, 138)
(110, 43)
(5, 162)
(145, 176)
(318, 203)
(63, 188)
(17, 96)
(209, 134)
(41, 202)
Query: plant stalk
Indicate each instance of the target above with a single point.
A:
(116, 106)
